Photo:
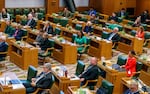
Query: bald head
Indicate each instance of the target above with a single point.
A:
(115, 30)
(93, 61)
(30, 16)
(2, 38)
(134, 86)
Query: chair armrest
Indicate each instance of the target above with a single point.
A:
(146, 40)
(1, 53)
(85, 46)
(48, 49)
(89, 81)
(38, 89)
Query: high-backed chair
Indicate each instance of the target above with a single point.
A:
(11, 13)
(80, 67)
(78, 27)
(32, 72)
(56, 20)
(139, 66)
(121, 60)
(40, 16)
(133, 32)
(63, 22)
(73, 37)
(49, 87)
(105, 35)
(42, 10)
(57, 31)
(105, 88)
(48, 52)
(26, 11)
(147, 38)
(18, 11)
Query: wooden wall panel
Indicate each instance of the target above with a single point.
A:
(2, 4)
(52, 6)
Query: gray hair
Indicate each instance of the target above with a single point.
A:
(48, 66)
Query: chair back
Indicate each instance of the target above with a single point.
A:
(105, 35)
(121, 60)
(105, 88)
(133, 32)
(78, 27)
(80, 67)
(32, 72)
(147, 35)
(64, 21)
(139, 66)
(73, 37)
(52, 82)
(57, 31)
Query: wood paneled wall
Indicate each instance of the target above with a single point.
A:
(142, 5)
(2, 4)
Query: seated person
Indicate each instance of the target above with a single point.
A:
(8, 29)
(130, 65)
(137, 22)
(122, 14)
(18, 33)
(44, 44)
(4, 15)
(48, 28)
(113, 18)
(88, 27)
(66, 12)
(91, 73)
(33, 13)
(31, 22)
(39, 38)
(145, 17)
(140, 32)
(41, 81)
(133, 88)
(80, 40)
(93, 19)
(91, 12)
(3, 46)
(114, 36)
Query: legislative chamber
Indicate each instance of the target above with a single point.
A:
(74, 47)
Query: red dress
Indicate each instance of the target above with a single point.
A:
(140, 35)
(130, 66)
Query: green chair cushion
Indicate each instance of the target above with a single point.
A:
(78, 27)
(121, 60)
(80, 67)
(139, 66)
(105, 35)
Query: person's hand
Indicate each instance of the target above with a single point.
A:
(33, 79)
(82, 79)
(33, 84)
(123, 66)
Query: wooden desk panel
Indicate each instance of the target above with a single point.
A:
(98, 49)
(23, 56)
(65, 53)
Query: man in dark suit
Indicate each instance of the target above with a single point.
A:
(43, 80)
(113, 18)
(48, 28)
(88, 28)
(123, 14)
(31, 22)
(91, 73)
(3, 46)
(114, 36)
(18, 33)
(66, 12)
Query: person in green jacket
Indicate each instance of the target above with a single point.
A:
(80, 40)
(8, 29)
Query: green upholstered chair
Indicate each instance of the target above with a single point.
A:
(57, 31)
(130, 23)
(73, 37)
(42, 10)
(80, 67)
(23, 21)
(133, 32)
(119, 19)
(139, 66)
(48, 52)
(63, 22)
(11, 13)
(78, 27)
(48, 89)
(105, 35)
(83, 19)
(105, 88)
(112, 26)
(18, 11)
(40, 16)
(121, 60)
(26, 11)
(56, 20)
(32, 72)
(144, 26)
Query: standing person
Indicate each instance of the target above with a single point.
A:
(130, 65)
(43, 80)
(91, 73)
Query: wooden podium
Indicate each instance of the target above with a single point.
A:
(23, 54)
(100, 48)
(65, 52)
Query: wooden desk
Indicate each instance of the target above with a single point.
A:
(2, 25)
(65, 52)
(146, 63)
(98, 48)
(144, 77)
(74, 22)
(113, 76)
(63, 82)
(77, 90)
(78, 16)
(23, 54)
(32, 34)
(128, 43)
(11, 88)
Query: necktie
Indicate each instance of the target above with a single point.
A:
(16, 33)
(28, 22)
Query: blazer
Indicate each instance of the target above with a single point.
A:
(32, 24)
(91, 73)
(115, 38)
(44, 44)
(3, 48)
(19, 34)
(9, 30)
(88, 29)
(125, 15)
(129, 92)
(66, 14)
(45, 81)
(113, 18)
(50, 30)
